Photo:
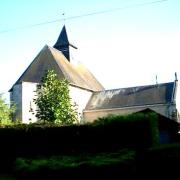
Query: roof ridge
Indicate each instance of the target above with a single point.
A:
(71, 66)
(137, 86)
(51, 58)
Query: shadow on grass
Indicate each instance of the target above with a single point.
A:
(87, 166)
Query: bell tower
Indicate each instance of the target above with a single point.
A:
(63, 44)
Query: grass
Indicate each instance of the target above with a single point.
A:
(80, 166)
(61, 162)
(160, 161)
(6, 177)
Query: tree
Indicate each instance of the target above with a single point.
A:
(5, 112)
(53, 100)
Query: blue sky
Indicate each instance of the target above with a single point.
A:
(125, 47)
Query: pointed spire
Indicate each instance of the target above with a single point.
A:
(62, 39)
(63, 43)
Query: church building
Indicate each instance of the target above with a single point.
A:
(86, 91)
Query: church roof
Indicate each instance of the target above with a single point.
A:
(52, 59)
(63, 40)
(132, 96)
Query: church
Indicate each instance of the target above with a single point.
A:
(92, 100)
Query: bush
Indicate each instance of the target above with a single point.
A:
(133, 123)
(5, 112)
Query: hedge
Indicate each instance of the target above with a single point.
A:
(105, 135)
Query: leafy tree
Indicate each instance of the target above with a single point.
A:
(53, 100)
(5, 112)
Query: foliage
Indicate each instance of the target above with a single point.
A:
(82, 166)
(111, 119)
(135, 119)
(153, 120)
(64, 161)
(160, 161)
(165, 148)
(5, 112)
(53, 100)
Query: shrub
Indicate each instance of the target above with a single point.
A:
(5, 112)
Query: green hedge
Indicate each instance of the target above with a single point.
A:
(134, 122)
(105, 135)
(136, 130)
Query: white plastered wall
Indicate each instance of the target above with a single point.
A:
(81, 98)
(24, 94)
(28, 105)
(16, 99)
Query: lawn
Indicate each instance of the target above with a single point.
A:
(101, 165)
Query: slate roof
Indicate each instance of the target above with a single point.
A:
(132, 96)
(51, 59)
(63, 39)
(63, 43)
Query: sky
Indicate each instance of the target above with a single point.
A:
(129, 44)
